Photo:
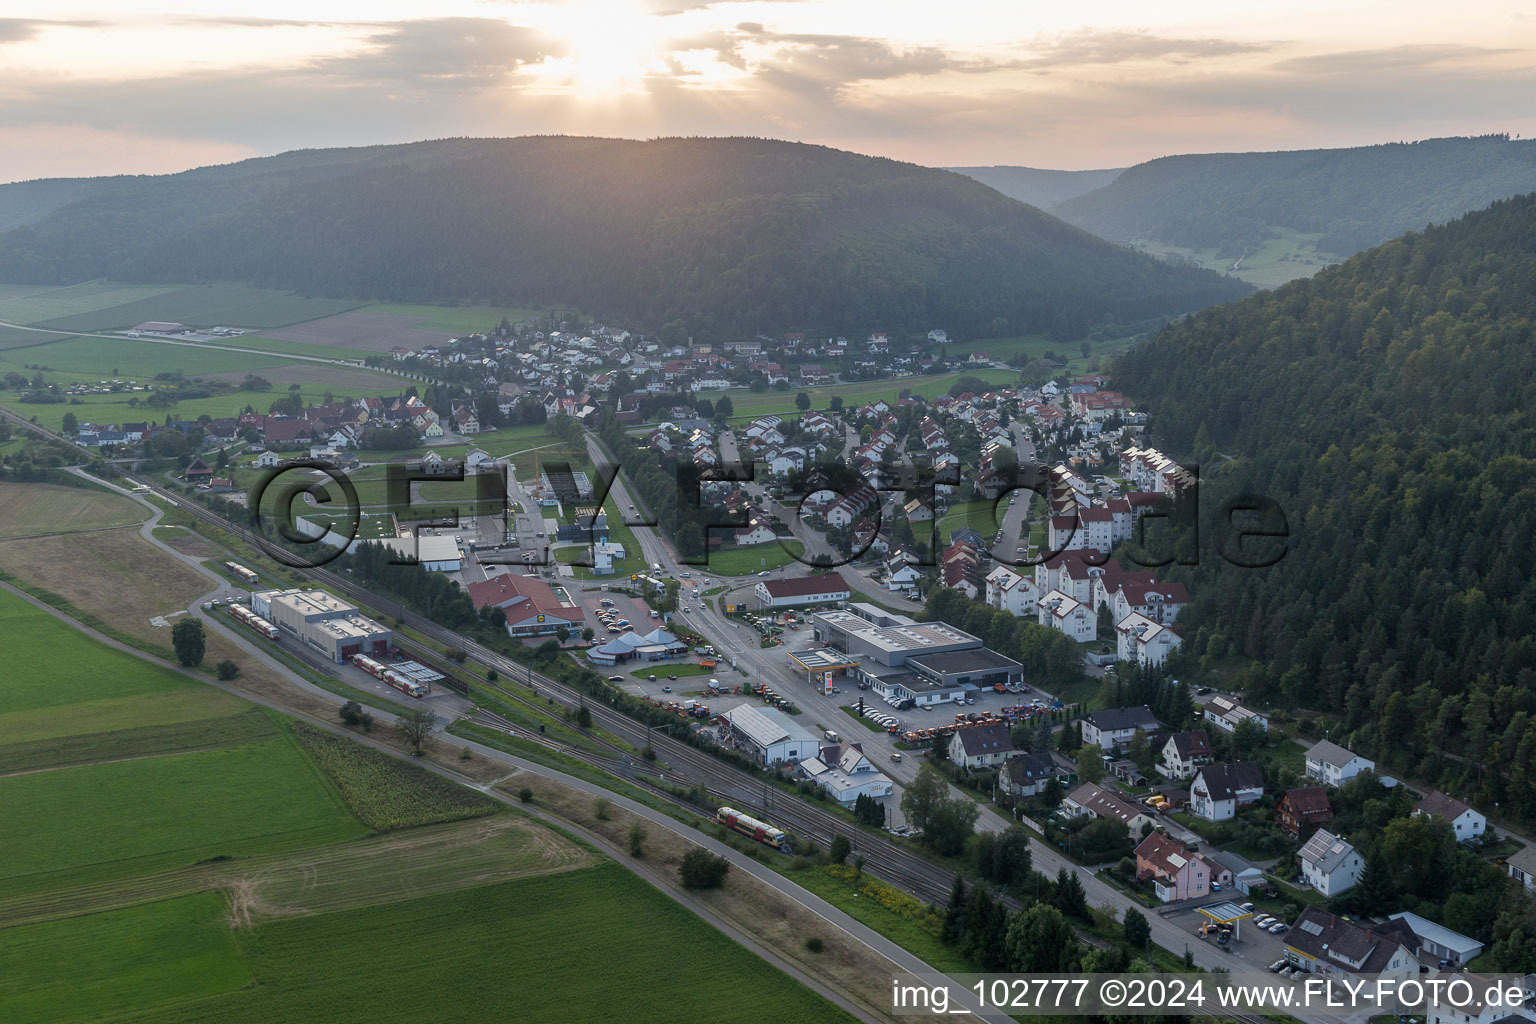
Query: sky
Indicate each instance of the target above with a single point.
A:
(153, 87)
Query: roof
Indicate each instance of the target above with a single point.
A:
(522, 595)
(1025, 768)
(1102, 804)
(1325, 851)
(1438, 805)
(1523, 859)
(1341, 944)
(1166, 855)
(1225, 781)
(1195, 743)
(1330, 753)
(802, 586)
(977, 740)
(767, 726)
(1309, 800)
(1115, 719)
(1439, 934)
(977, 659)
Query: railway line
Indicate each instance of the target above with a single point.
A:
(690, 766)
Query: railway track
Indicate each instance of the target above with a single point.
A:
(689, 765)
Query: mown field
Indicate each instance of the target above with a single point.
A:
(30, 509)
(752, 559)
(579, 946)
(93, 359)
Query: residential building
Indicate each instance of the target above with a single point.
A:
(1333, 765)
(1319, 942)
(1145, 641)
(1466, 823)
(980, 746)
(1115, 727)
(1011, 592)
(1219, 791)
(1184, 753)
(1521, 866)
(1025, 775)
(846, 774)
(1225, 713)
(1176, 872)
(1066, 614)
(1301, 810)
(1329, 864)
(1092, 801)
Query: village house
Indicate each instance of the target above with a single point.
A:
(1219, 791)
(1329, 864)
(1333, 765)
(1110, 728)
(1225, 713)
(980, 746)
(1177, 873)
(1301, 810)
(1183, 754)
(1467, 824)
(1025, 775)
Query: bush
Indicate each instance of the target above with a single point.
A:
(841, 848)
(525, 795)
(814, 944)
(601, 807)
(227, 669)
(703, 870)
(637, 840)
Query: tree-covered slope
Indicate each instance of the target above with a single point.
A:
(1039, 186)
(716, 235)
(1387, 405)
(1350, 198)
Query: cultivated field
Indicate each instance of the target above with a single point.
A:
(361, 332)
(31, 306)
(93, 359)
(141, 816)
(27, 510)
(102, 307)
(578, 946)
(336, 378)
(385, 792)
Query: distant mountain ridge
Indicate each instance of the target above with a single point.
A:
(708, 236)
(1039, 186)
(1351, 199)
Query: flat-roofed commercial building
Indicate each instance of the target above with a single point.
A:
(925, 662)
(324, 622)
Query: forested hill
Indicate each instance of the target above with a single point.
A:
(1349, 199)
(1387, 405)
(723, 236)
(1038, 186)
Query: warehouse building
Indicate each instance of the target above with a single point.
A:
(436, 553)
(795, 591)
(324, 622)
(925, 662)
(771, 736)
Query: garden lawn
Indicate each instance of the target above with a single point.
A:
(94, 967)
(580, 946)
(82, 825)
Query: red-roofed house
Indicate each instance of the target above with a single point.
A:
(1177, 873)
(801, 590)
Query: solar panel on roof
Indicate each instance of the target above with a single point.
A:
(1311, 927)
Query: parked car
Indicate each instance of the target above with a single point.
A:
(1279, 928)
(1274, 968)
(615, 679)
(666, 689)
(1248, 907)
